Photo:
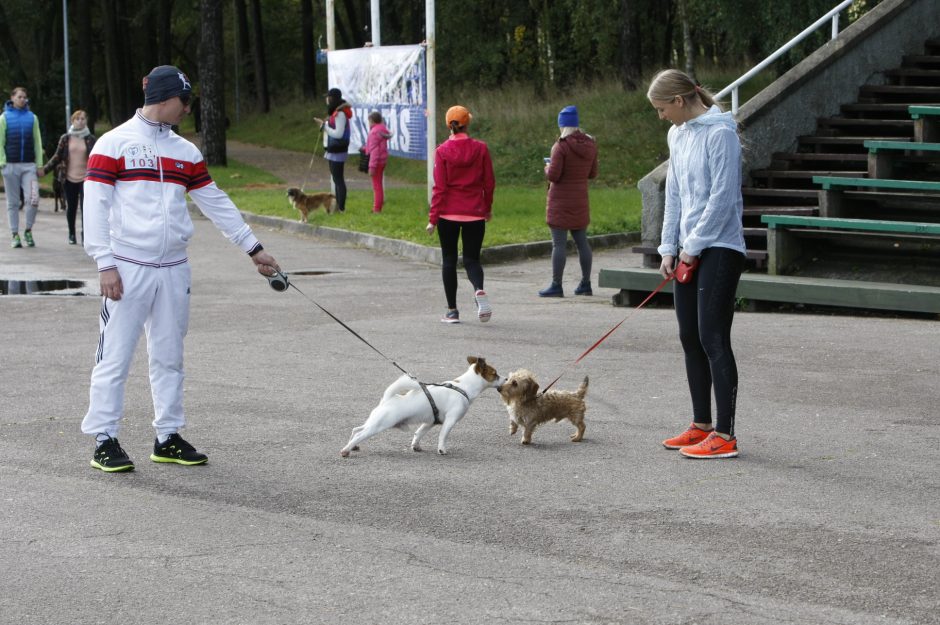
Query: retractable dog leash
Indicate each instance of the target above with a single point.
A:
(682, 274)
(280, 283)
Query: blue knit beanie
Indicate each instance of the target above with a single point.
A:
(568, 117)
(165, 82)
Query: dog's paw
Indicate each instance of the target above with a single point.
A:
(344, 453)
(526, 441)
(416, 448)
(442, 451)
(356, 448)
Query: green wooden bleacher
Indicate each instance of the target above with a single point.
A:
(785, 234)
(926, 122)
(835, 182)
(635, 284)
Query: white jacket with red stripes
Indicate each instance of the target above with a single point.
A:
(135, 197)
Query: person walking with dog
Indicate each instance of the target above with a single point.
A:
(572, 164)
(20, 162)
(72, 154)
(137, 230)
(336, 130)
(702, 227)
(461, 204)
(377, 149)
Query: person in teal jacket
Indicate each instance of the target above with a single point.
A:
(20, 162)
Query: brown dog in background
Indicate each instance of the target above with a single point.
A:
(529, 409)
(306, 203)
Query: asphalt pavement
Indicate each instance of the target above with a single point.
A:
(830, 515)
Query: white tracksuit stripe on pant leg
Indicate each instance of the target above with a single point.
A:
(146, 297)
(166, 329)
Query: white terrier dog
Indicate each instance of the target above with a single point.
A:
(407, 403)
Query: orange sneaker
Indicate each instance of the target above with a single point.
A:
(713, 446)
(690, 437)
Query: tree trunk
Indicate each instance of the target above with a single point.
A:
(112, 62)
(164, 32)
(10, 51)
(86, 73)
(310, 59)
(351, 26)
(688, 48)
(668, 48)
(631, 67)
(261, 72)
(212, 83)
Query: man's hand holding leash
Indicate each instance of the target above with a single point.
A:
(265, 263)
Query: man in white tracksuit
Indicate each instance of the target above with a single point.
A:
(137, 227)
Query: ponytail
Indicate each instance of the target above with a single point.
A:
(671, 83)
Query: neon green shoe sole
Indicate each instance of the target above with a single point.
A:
(187, 463)
(126, 467)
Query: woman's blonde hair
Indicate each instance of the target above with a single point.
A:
(669, 84)
(76, 114)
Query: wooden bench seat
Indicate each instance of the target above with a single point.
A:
(882, 155)
(784, 234)
(636, 284)
(831, 198)
(926, 122)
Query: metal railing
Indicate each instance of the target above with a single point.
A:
(832, 15)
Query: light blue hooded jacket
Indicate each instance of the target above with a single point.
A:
(703, 186)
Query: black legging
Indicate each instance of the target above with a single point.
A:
(336, 172)
(705, 310)
(74, 197)
(471, 234)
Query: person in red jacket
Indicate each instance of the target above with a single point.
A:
(461, 204)
(573, 162)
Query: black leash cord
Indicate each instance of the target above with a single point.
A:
(353, 332)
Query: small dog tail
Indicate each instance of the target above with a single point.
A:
(582, 390)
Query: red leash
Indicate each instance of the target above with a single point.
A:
(611, 331)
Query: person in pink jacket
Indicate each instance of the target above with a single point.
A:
(377, 149)
(461, 204)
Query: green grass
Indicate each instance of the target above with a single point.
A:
(518, 211)
(520, 126)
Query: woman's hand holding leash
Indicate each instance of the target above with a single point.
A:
(430, 229)
(683, 272)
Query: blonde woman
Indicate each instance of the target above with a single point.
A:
(702, 225)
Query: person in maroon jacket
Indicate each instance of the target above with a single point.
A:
(461, 204)
(573, 162)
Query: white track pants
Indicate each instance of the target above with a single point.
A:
(156, 299)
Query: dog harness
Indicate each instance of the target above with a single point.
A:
(427, 393)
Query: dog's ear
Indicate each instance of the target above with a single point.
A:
(472, 359)
(531, 389)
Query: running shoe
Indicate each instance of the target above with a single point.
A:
(28, 237)
(691, 436)
(177, 450)
(16, 241)
(484, 311)
(713, 446)
(451, 316)
(109, 457)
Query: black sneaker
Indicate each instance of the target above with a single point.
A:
(111, 458)
(177, 450)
